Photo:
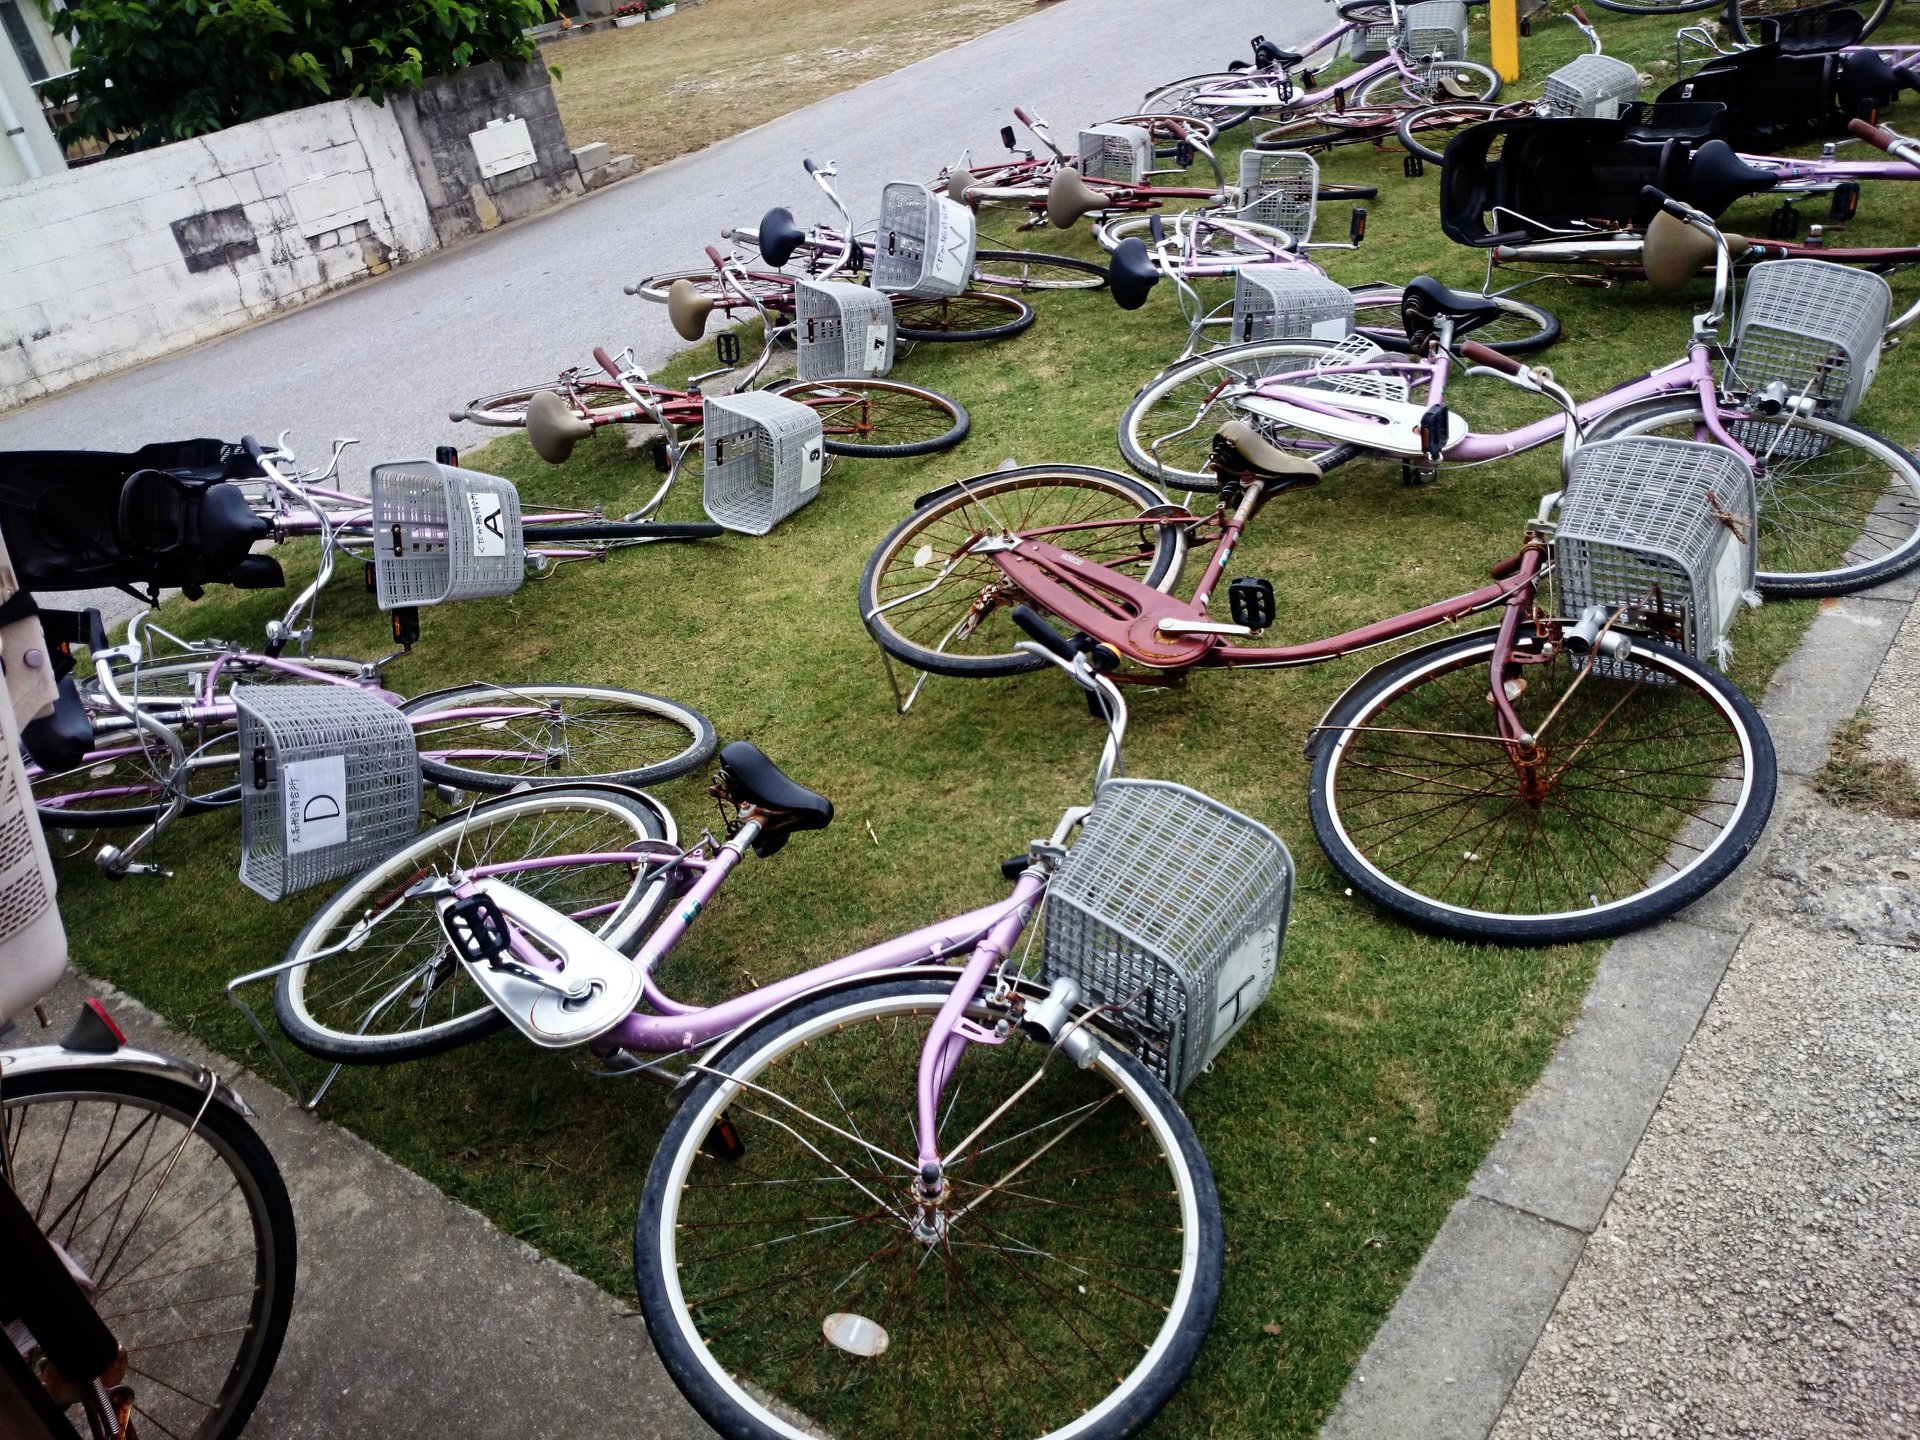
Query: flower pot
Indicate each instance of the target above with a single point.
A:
(623, 21)
(662, 12)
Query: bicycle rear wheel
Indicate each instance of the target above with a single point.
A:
(880, 419)
(1651, 789)
(1521, 329)
(1324, 129)
(1188, 97)
(393, 989)
(491, 738)
(508, 408)
(169, 1203)
(1427, 130)
(1794, 17)
(1430, 82)
(1072, 1303)
(952, 616)
(970, 315)
(1023, 272)
(709, 285)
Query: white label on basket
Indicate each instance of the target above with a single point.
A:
(877, 336)
(1606, 109)
(812, 459)
(484, 510)
(1337, 328)
(1245, 977)
(315, 794)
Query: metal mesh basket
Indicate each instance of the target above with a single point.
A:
(1664, 526)
(33, 941)
(1121, 153)
(1370, 42)
(840, 330)
(1280, 189)
(763, 455)
(1174, 907)
(1592, 87)
(1813, 326)
(924, 243)
(1434, 29)
(1357, 349)
(1289, 302)
(329, 783)
(442, 534)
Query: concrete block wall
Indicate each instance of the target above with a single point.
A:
(121, 261)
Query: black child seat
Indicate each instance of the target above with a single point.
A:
(1788, 93)
(164, 516)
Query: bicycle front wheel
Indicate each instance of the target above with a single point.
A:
(379, 982)
(880, 419)
(172, 1206)
(1022, 272)
(1427, 131)
(1428, 83)
(1795, 17)
(1062, 1287)
(508, 408)
(1323, 129)
(1645, 791)
(926, 603)
(970, 315)
(1213, 245)
(1839, 505)
(1189, 97)
(490, 738)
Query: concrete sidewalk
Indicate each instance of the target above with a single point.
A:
(1703, 1220)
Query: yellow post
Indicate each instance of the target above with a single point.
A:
(1505, 15)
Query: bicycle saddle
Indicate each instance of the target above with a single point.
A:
(1269, 56)
(958, 184)
(779, 236)
(1069, 198)
(748, 777)
(1426, 300)
(1131, 274)
(553, 429)
(1268, 459)
(1673, 252)
(1716, 177)
(688, 309)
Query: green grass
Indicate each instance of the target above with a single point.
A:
(1347, 1117)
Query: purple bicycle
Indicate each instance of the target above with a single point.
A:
(941, 1183)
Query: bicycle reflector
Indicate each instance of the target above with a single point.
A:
(1846, 201)
(1357, 222)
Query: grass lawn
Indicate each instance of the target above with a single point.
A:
(1347, 1117)
(709, 71)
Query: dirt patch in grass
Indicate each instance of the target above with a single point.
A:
(1856, 779)
(669, 87)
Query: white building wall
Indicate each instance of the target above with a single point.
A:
(121, 261)
(18, 88)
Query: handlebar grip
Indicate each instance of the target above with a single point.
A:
(810, 166)
(631, 288)
(1876, 135)
(1022, 116)
(1157, 230)
(1907, 75)
(1654, 195)
(719, 260)
(1029, 620)
(607, 362)
(1480, 355)
(252, 447)
(1580, 15)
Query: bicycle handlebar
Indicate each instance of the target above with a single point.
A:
(810, 166)
(1481, 355)
(1028, 619)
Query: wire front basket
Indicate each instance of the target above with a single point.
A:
(442, 534)
(1812, 327)
(763, 457)
(1289, 302)
(1120, 153)
(1279, 188)
(1590, 87)
(924, 244)
(1664, 527)
(329, 783)
(1173, 909)
(1434, 30)
(841, 330)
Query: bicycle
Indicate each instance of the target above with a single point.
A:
(1840, 505)
(867, 1137)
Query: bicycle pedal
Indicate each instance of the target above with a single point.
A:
(662, 461)
(1413, 167)
(726, 348)
(1784, 223)
(1845, 203)
(723, 1141)
(1250, 601)
(608, 984)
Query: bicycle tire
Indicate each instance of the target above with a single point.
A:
(709, 286)
(1177, 99)
(1324, 129)
(1166, 407)
(1335, 191)
(624, 530)
(1425, 131)
(329, 1007)
(918, 630)
(1740, 15)
(856, 414)
(1523, 329)
(1219, 245)
(1168, 130)
(1657, 7)
(970, 315)
(1024, 272)
(1657, 786)
(83, 796)
(1391, 89)
(507, 409)
(1830, 522)
(204, 1334)
(571, 726)
(1153, 1279)
(157, 686)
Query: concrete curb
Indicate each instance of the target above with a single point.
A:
(1448, 1355)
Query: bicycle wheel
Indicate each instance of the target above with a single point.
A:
(1166, 432)
(172, 1206)
(122, 781)
(1521, 329)
(508, 409)
(1793, 17)
(394, 990)
(1168, 131)
(800, 1289)
(1188, 97)
(1023, 272)
(764, 287)
(956, 621)
(881, 419)
(1839, 505)
(1215, 243)
(491, 738)
(1324, 129)
(177, 681)
(1652, 790)
(970, 315)
(1431, 82)
(1426, 131)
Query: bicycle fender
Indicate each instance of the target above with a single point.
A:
(47, 1059)
(1319, 733)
